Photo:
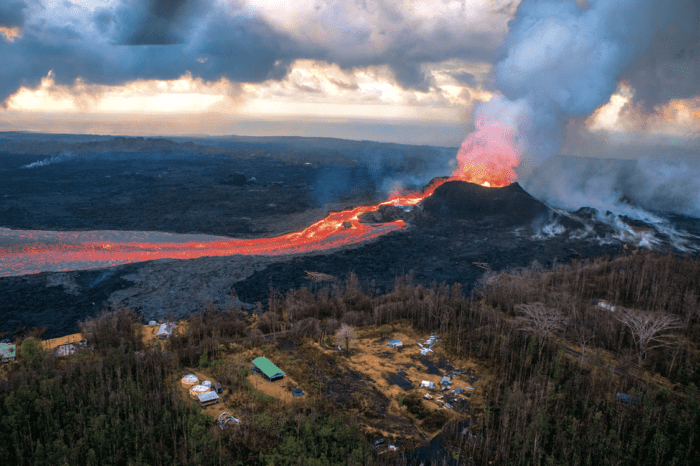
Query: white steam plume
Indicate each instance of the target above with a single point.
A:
(559, 61)
(50, 160)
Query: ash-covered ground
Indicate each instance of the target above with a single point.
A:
(248, 187)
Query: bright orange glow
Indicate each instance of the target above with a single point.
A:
(10, 33)
(58, 251)
(487, 157)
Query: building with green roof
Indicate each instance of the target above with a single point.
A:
(267, 369)
(8, 352)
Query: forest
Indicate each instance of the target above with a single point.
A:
(560, 344)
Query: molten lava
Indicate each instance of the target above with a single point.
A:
(487, 157)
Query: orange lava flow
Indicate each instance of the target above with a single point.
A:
(63, 251)
(487, 157)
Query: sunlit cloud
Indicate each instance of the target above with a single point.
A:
(677, 117)
(311, 88)
(10, 34)
(183, 95)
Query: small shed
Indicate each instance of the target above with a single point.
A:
(267, 369)
(427, 384)
(446, 380)
(8, 352)
(458, 391)
(152, 323)
(208, 398)
(165, 330)
(395, 343)
(218, 388)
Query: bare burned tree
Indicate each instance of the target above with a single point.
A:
(584, 337)
(304, 328)
(649, 330)
(345, 334)
(255, 336)
(540, 320)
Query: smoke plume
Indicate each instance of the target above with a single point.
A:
(560, 60)
(49, 160)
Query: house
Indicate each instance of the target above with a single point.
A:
(66, 349)
(8, 352)
(395, 343)
(267, 369)
(427, 384)
(446, 380)
(208, 398)
(165, 330)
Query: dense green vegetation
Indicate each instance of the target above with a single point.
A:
(555, 362)
(119, 408)
(122, 406)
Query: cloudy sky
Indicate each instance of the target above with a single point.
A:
(406, 71)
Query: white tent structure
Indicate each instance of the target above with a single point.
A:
(197, 390)
(189, 380)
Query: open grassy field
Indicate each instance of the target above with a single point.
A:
(374, 384)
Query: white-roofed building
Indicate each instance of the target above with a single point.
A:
(165, 330)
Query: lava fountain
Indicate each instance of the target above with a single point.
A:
(487, 157)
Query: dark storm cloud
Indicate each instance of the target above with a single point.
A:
(164, 39)
(411, 51)
(465, 78)
(154, 40)
(47, 48)
(242, 48)
(376, 32)
(671, 67)
(12, 13)
(411, 76)
(157, 22)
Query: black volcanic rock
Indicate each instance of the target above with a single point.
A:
(236, 179)
(509, 205)
(387, 213)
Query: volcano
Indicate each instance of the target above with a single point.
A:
(507, 206)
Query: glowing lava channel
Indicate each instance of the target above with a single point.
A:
(487, 157)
